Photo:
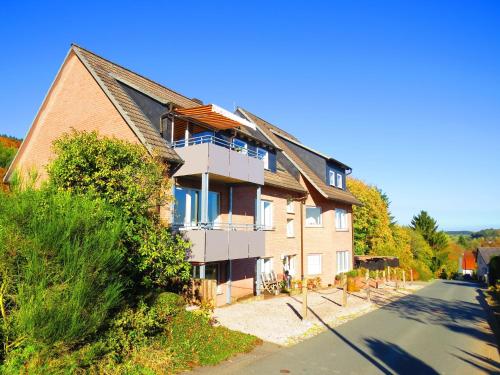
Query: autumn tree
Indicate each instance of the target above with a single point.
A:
(372, 221)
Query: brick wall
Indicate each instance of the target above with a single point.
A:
(74, 101)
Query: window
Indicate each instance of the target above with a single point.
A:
(211, 271)
(340, 219)
(266, 214)
(240, 145)
(267, 265)
(313, 216)
(290, 228)
(343, 261)
(340, 181)
(331, 177)
(314, 264)
(290, 207)
(188, 207)
(264, 156)
(289, 264)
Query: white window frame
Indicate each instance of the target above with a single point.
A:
(341, 219)
(267, 265)
(290, 206)
(263, 223)
(290, 264)
(241, 145)
(339, 180)
(265, 159)
(331, 177)
(188, 219)
(320, 224)
(290, 228)
(343, 260)
(314, 271)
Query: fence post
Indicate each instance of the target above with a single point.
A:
(396, 280)
(344, 290)
(411, 276)
(404, 279)
(389, 273)
(368, 293)
(383, 277)
(367, 275)
(304, 298)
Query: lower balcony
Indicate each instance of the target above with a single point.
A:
(224, 242)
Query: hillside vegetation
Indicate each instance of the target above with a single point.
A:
(87, 271)
(8, 149)
(420, 246)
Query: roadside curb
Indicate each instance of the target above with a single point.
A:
(492, 316)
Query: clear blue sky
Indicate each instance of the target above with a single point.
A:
(406, 92)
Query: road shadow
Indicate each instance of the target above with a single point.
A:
(471, 284)
(479, 361)
(458, 316)
(387, 357)
(398, 359)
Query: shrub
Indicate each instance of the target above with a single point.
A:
(127, 177)
(121, 173)
(494, 270)
(66, 264)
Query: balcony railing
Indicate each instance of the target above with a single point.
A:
(223, 241)
(216, 141)
(219, 158)
(219, 226)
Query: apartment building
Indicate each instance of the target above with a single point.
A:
(250, 197)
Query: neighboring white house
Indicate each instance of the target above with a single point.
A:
(483, 257)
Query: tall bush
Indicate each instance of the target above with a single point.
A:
(64, 268)
(127, 177)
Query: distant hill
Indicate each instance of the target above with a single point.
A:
(459, 232)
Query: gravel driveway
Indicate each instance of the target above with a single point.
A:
(278, 319)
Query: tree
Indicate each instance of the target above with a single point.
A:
(372, 222)
(127, 177)
(428, 227)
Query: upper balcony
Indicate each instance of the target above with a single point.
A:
(217, 156)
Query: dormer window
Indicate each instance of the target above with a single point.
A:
(331, 177)
(340, 181)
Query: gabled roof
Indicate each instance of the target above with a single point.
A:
(487, 253)
(107, 74)
(271, 132)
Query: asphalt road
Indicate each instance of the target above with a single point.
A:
(440, 329)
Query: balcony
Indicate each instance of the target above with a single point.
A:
(219, 242)
(214, 155)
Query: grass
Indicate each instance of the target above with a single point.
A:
(188, 341)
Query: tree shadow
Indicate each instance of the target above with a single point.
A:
(471, 284)
(458, 316)
(398, 359)
(479, 361)
(393, 357)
